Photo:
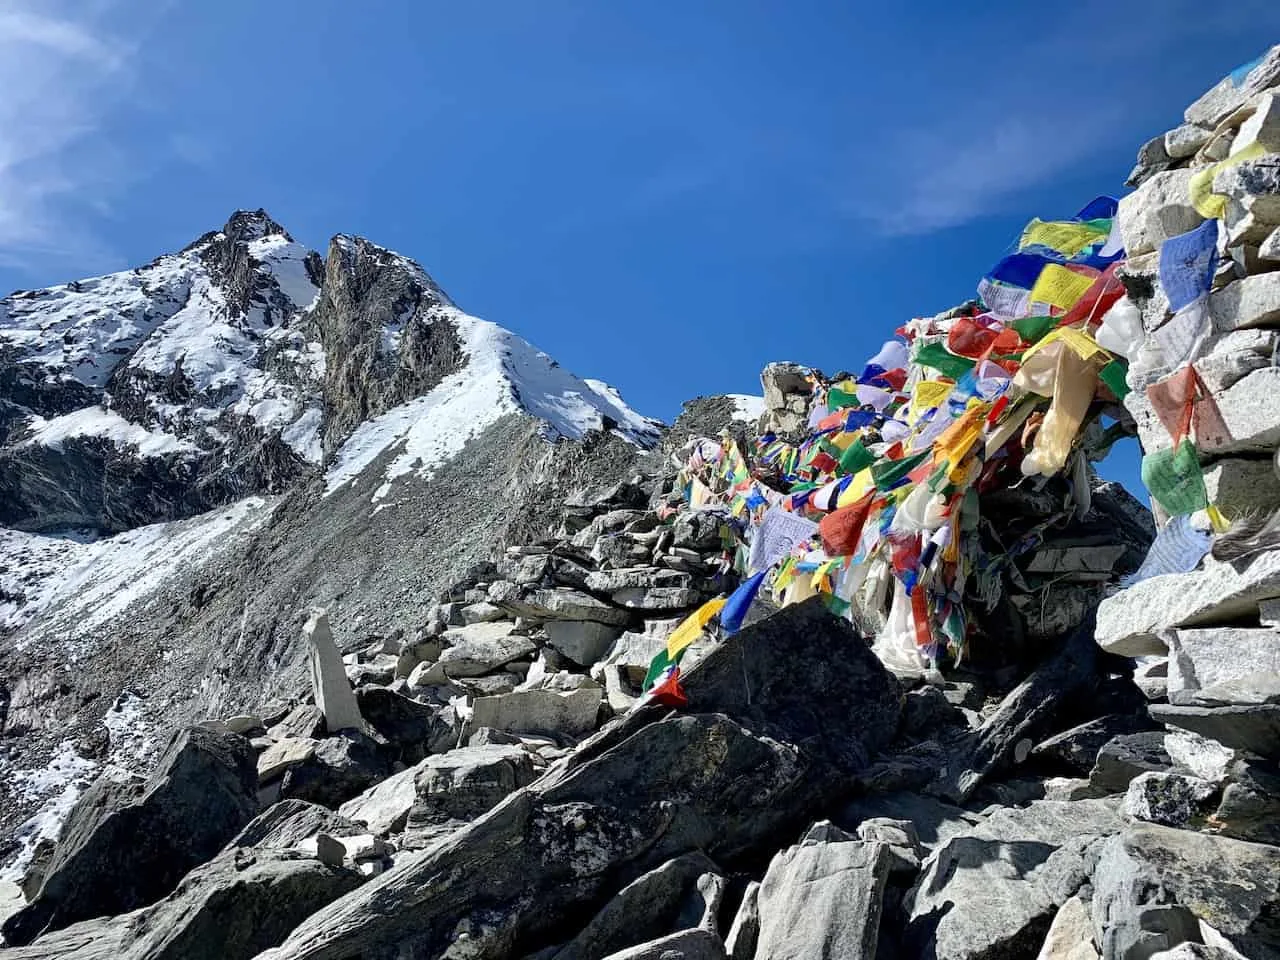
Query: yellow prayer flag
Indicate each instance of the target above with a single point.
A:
(1211, 205)
(1059, 286)
(1084, 345)
(926, 395)
(857, 489)
(954, 443)
(688, 631)
(1067, 237)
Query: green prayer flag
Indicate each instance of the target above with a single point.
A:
(1113, 375)
(1175, 480)
(838, 399)
(938, 357)
(1033, 329)
(856, 458)
(888, 473)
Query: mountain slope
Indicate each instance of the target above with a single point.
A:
(196, 452)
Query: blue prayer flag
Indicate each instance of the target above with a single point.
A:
(735, 608)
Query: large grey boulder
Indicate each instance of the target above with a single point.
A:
(416, 729)
(384, 807)
(1223, 664)
(337, 769)
(582, 641)
(1070, 936)
(480, 648)
(685, 945)
(1124, 757)
(572, 712)
(823, 900)
(1232, 885)
(1254, 727)
(127, 844)
(464, 783)
(756, 753)
(1234, 90)
(1159, 209)
(1172, 799)
(995, 890)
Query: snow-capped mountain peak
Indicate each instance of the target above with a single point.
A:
(243, 362)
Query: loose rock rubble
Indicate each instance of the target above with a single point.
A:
(496, 781)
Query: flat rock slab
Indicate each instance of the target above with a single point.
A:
(1131, 621)
(823, 900)
(572, 712)
(1222, 663)
(1254, 727)
(384, 807)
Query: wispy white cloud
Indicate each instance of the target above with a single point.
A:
(948, 175)
(63, 75)
(987, 129)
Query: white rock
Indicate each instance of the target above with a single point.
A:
(329, 684)
(1205, 758)
(1238, 486)
(1070, 936)
(244, 723)
(283, 754)
(11, 899)
(573, 711)
(483, 612)
(1129, 622)
(1201, 661)
(582, 641)
(1184, 140)
(1250, 410)
(1270, 248)
(1157, 210)
(1263, 127)
(1218, 103)
(384, 807)
(1248, 302)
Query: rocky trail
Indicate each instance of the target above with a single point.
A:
(391, 639)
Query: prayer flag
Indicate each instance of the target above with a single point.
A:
(1187, 264)
(739, 602)
(1060, 287)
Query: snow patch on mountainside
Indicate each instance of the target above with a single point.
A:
(82, 330)
(746, 407)
(503, 374)
(97, 422)
(286, 260)
(76, 586)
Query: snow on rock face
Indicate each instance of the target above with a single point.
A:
(503, 374)
(76, 584)
(746, 407)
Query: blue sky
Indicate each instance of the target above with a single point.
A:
(663, 195)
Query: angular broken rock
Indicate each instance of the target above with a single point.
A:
(384, 807)
(126, 845)
(1230, 884)
(572, 712)
(464, 783)
(244, 901)
(416, 729)
(685, 945)
(644, 909)
(1223, 664)
(582, 641)
(1171, 799)
(1254, 727)
(1130, 622)
(994, 891)
(478, 649)
(329, 684)
(757, 751)
(823, 900)
(338, 769)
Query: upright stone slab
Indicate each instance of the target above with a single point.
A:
(329, 683)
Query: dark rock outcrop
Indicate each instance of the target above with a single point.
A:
(127, 844)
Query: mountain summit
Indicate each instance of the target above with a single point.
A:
(246, 361)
